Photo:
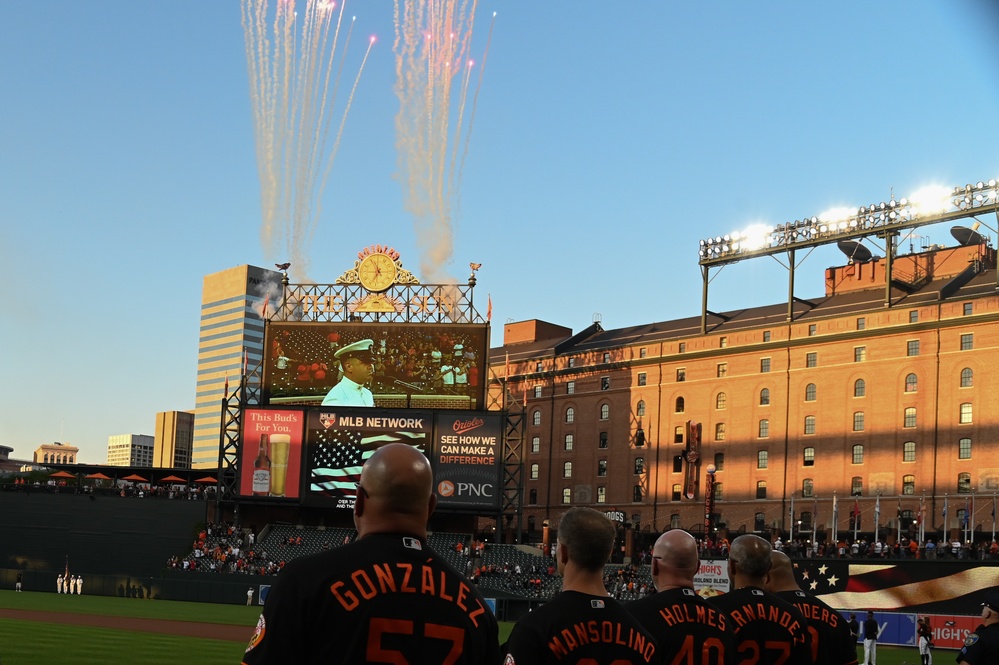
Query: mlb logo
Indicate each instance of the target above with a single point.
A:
(327, 420)
(412, 543)
(597, 604)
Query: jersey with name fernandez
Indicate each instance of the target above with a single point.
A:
(385, 598)
(768, 630)
(687, 627)
(575, 627)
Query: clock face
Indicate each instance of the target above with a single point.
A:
(376, 272)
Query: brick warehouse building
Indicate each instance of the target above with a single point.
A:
(850, 398)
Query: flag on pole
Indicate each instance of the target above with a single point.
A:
(489, 307)
(993, 507)
(790, 513)
(225, 391)
(263, 312)
(815, 519)
(967, 512)
(898, 520)
(835, 519)
(945, 511)
(877, 515)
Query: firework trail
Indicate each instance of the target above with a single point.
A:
(291, 59)
(433, 76)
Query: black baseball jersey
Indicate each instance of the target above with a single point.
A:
(831, 641)
(686, 627)
(871, 629)
(386, 598)
(981, 646)
(768, 630)
(575, 628)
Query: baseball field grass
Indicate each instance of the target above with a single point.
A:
(35, 629)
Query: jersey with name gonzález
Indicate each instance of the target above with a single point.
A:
(831, 640)
(576, 628)
(385, 598)
(768, 630)
(686, 627)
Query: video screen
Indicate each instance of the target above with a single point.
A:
(339, 442)
(429, 366)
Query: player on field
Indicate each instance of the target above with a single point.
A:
(386, 597)
(768, 630)
(832, 643)
(581, 625)
(687, 627)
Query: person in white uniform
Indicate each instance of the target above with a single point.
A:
(356, 362)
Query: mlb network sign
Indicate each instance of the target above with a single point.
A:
(466, 456)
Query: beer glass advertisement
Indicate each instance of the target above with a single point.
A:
(340, 440)
(468, 450)
(271, 453)
(430, 366)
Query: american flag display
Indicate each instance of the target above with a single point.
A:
(339, 444)
(924, 586)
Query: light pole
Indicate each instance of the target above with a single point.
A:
(709, 502)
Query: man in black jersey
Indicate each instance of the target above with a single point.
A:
(386, 597)
(831, 641)
(768, 630)
(581, 625)
(687, 628)
(871, 634)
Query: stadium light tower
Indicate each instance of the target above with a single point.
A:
(930, 205)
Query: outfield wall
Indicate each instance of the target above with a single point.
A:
(96, 535)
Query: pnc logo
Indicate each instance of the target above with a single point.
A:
(445, 488)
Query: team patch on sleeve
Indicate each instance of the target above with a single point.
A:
(258, 634)
(971, 639)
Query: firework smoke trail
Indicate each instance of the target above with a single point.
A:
(291, 60)
(475, 101)
(432, 41)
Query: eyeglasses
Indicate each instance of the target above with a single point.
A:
(361, 490)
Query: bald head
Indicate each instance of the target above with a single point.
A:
(781, 574)
(750, 556)
(675, 560)
(396, 491)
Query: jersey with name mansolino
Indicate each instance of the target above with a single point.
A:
(832, 643)
(768, 630)
(385, 598)
(575, 627)
(687, 628)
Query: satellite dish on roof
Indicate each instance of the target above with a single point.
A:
(965, 236)
(854, 251)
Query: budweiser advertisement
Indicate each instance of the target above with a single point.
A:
(271, 453)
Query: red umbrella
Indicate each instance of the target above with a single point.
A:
(97, 476)
(135, 478)
(206, 479)
(62, 474)
(172, 479)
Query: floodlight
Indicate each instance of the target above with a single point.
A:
(931, 199)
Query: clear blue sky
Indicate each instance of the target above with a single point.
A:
(608, 138)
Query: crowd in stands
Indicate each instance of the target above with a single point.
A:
(906, 548)
(521, 570)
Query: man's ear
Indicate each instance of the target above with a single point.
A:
(655, 568)
(432, 504)
(359, 504)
